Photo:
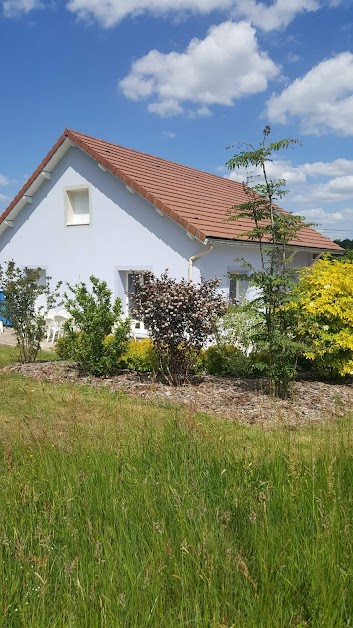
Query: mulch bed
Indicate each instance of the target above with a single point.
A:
(244, 400)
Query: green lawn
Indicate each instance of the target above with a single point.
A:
(9, 355)
(115, 512)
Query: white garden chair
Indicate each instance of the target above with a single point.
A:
(138, 330)
(58, 323)
(49, 322)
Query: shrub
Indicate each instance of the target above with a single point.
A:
(140, 356)
(239, 326)
(64, 346)
(180, 316)
(96, 335)
(23, 291)
(325, 298)
(227, 361)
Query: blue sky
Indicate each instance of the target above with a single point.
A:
(183, 79)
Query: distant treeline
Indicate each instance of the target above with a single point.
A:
(345, 244)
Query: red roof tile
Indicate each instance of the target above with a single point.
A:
(197, 200)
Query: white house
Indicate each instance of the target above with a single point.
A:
(92, 207)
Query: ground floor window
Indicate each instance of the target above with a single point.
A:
(238, 285)
(130, 288)
(42, 278)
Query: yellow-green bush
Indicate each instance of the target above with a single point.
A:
(140, 356)
(325, 297)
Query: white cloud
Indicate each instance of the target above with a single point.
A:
(4, 198)
(322, 99)
(337, 220)
(336, 190)
(169, 135)
(336, 168)
(278, 15)
(318, 215)
(338, 224)
(110, 12)
(283, 169)
(225, 66)
(293, 58)
(165, 108)
(4, 180)
(278, 169)
(12, 8)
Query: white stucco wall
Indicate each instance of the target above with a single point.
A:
(125, 233)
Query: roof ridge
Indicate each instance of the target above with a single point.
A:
(140, 152)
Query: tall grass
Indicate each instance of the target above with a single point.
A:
(115, 513)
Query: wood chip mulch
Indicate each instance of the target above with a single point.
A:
(244, 400)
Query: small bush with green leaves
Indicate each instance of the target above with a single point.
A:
(140, 357)
(96, 336)
(227, 361)
(64, 346)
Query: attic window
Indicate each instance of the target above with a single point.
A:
(77, 204)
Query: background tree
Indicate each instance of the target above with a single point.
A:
(346, 244)
(273, 230)
(23, 306)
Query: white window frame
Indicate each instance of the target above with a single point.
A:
(68, 206)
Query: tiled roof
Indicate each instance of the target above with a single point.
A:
(197, 200)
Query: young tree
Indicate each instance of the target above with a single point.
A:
(180, 317)
(273, 230)
(23, 294)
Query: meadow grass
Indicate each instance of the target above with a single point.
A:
(115, 512)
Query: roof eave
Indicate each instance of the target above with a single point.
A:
(309, 249)
(39, 176)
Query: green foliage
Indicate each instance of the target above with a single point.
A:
(227, 361)
(259, 156)
(274, 230)
(346, 244)
(324, 296)
(64, 346)
(180, 316)
(140, 356)
(22, 306)
(239, 326)
(95, 335)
